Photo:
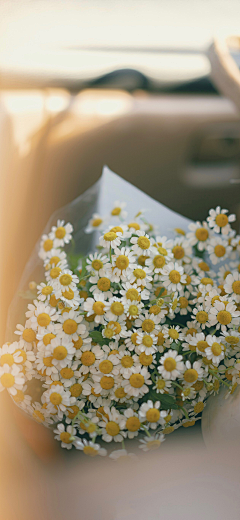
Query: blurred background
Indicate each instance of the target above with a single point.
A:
(126, 83)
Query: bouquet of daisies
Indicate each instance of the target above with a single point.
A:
(129, 340)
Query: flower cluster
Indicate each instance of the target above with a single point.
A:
(132, 341)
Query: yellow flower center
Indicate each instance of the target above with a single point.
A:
(187, 424)
(55, 272)
(203, 266)
(224, 317)
(159, 261)
(202, 234)
(145, 360)
(133, 310)
(107, 382)
(190, 375)
(236, 287)
(54, 261)
(133, 294)
(160, 384)
(161, 339)
(76, 390)
(136, 380)
(116, 211)
(143, 243)
(174, 276)
(88, 358)
(110, 236)
(127, 361)
(106, 366)
(43, 319)
(109, 333)
(162, 251)
(6, 359)
(70, 326)
(139, 274)
(117, 308)
(122, 262)
(134, 338)
(219, 250)
(47, 361)
(173, 333)
(141, 260)
(65, 279)
(134, 225)
(232, 340)
(65, 437)
(29, 335)
(53, 301)
(78, 343)
(68, 294)
(202, 316)
(180, 231)
(147, 341)
(19, 397)
(38, 416)
(152, 415)
(48, 244)
(148, 325)
(89, 450)
(178, 252)
(104, 284)
(154, 445)
(198, 386)
(170, 364)
(202, 345)
(221, 220)
(7, 380)
(47, 290)
(97, 265)
(117, 229)
(120, 393)
(22, 354)
(112, 428)
(198, 408)
(60, 353)
(206, 281)
(168, 430)
(74, 412)
(183, 302)
(98, 308)
(60, 232)
(216, 349)
(133, 424)
(56, 398)
(48, 338)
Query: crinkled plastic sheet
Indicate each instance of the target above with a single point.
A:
(97, 199)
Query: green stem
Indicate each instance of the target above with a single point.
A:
(185, 412)
(219, 378)
(146, 430)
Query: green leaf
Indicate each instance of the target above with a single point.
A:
(166, 400)
(97, 337)
(84, 270)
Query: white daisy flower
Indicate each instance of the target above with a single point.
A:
(115, 330)
(201, 317)
(141, 277)
(215, 351)
(101, 285)
(162, 386)
(126, 363)
(46, 245)
(182, 250)
(136, 384)
(67, 436)
(219, 221)
(231, 337)
(56, 257)
(114, 309)
(58, 396)
(223, 316)
(193, 372)
(44, 292)
(151, 443)
(122, 455)
(218, 250)
(146, 342)
(96, 223)
(11, 378)
(149, 412)
(10, 354)
(123, 261)
(44, 363)
(88, 359)
(97, 307)
(133, 423)
(66, 281)
(62, 351)
(72, 298)
(40, 414)
(199, 235)
(196, 343)
(149, 323)
(132, 309)
(22, 400)
(113, 425)
(118, 210)
(28, 335)
(173, 277)
(90, 448)
(173, 333)
(111, 239)
(70, 323)
(142, 243)
(133, 292)
(232, 285)
(40, 315)
(61, 234)
(172, 365)
(184, 303)
(96, 264)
